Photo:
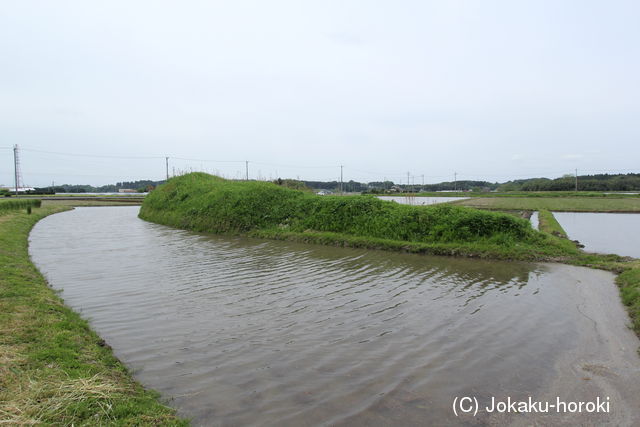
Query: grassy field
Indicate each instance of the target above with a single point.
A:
(84, 195)
(17, 204)
(529, 194)
(567, 204)
(83, 203)
(54, 370)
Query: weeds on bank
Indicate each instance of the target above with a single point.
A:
(53, 368)
(17, 204)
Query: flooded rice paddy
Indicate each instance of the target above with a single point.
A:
(419, 200)
(235, 331)
(611, 233)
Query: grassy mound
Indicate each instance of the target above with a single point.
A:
(202, 202)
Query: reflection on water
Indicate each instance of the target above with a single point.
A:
(419, 200)
(611, 233)
(238, 331)
(535, 220)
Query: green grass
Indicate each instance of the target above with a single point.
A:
(548, 223)
(528, 194)
(54, 370)
(86, 196)
(8, 205)
(567, 204)
(205, 203)
(86, 202)
(629, 283)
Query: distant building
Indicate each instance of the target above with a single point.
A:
(127, 190)
(323, 192)
(20, 189)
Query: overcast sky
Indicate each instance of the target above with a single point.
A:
(492, 90)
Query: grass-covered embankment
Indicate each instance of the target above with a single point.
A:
(549, 224)
(629, 283)
(202, 202)
(54, 370)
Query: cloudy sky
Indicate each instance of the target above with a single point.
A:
(97, 92)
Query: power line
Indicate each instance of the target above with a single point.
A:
(92, 155)
(391, 174)
(294, 166)
(397, 176)
(208, 161)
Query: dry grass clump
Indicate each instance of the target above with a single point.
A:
(35, 401)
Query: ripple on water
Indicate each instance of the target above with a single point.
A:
(245, 331)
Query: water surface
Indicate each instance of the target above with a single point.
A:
(610, 233)
(535, 220)
(251, 332)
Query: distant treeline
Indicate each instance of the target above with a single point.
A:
(461, 186)
(348, 186)
(382, 186)
(601, 182)
(140, 186)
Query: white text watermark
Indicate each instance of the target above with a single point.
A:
(470, 405)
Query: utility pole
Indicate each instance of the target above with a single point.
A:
(16, 167)
(455, 181)
(423, 180)
(246, 165)
(341, 185)
(166, 160)
(576, 179)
